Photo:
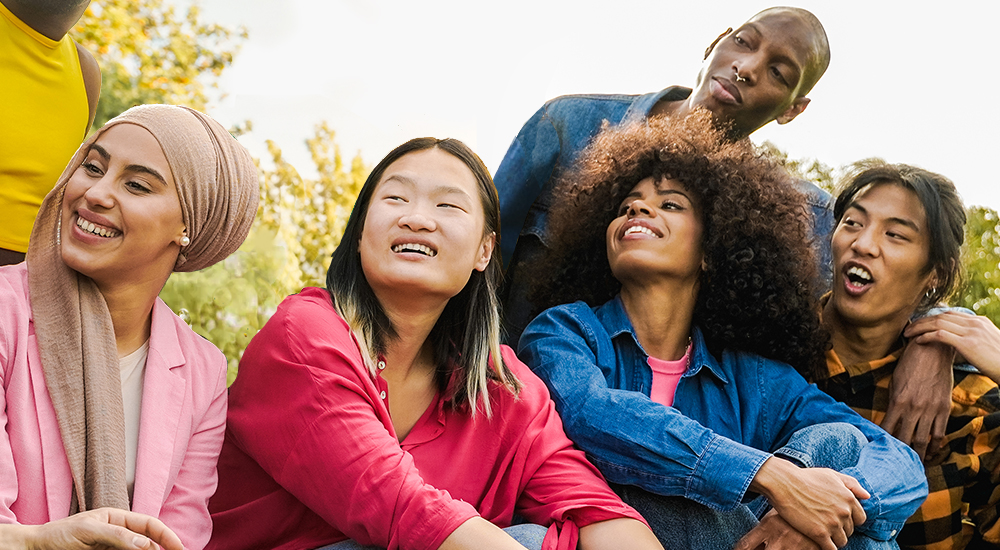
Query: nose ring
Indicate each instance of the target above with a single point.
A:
(738, 77)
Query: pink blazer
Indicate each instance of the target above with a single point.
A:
(181, 424)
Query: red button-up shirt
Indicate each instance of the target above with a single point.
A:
(311, 456)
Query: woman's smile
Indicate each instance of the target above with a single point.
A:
(424, 227)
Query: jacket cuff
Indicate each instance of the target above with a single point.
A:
(880, 529)
(723, 473)
(876, 526)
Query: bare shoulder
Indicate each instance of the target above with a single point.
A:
(91, 80)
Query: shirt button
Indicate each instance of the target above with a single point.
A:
(382, 395)
(892, 533)
(381, 365)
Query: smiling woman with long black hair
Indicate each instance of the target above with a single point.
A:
(384, 410)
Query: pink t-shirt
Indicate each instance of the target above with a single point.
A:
(311, 456)
(666, 375)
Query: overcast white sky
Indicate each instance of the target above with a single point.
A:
(913, 81)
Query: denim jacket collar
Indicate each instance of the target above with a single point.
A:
(640, 108)
(615, 320)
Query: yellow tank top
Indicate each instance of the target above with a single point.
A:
(43, 120)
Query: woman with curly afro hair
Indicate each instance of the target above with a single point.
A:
(691, 257)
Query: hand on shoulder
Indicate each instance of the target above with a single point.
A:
(974, 337)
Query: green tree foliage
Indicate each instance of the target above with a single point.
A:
(981, 263)
(309, 216)
(299, 224)
(808, 169)
(149, 53)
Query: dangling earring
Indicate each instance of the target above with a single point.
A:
(185, 240)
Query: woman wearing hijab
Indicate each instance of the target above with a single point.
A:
(109, 399)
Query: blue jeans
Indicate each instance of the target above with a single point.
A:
(528, 535)
(680, 523)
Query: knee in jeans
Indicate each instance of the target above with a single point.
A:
(835, 445)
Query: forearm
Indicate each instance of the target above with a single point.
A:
(478, 534)
(920, 396)
(657, 448)
(617, 533)
(885, 468)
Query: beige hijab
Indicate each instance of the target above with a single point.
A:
(218, 187)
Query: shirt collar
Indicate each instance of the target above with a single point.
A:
(701, 357)
(612, 315)
(640, 108)
(865, 373)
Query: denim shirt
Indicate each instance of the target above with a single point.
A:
(729, 415)
(549, 143)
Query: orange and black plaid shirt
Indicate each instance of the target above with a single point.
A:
(962, 508)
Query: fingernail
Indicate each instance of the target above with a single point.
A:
(140, 541)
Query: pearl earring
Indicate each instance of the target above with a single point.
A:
(185, 240)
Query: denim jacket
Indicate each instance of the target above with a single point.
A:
(549, 143)
(729, 414)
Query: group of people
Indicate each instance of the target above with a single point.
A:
(706, 346)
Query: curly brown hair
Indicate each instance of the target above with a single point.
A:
(756, 292)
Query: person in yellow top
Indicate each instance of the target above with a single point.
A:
(49, 93)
